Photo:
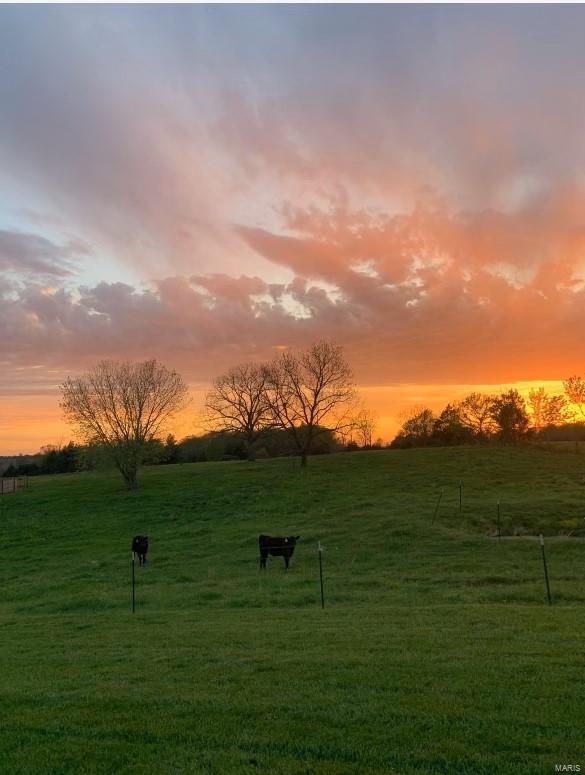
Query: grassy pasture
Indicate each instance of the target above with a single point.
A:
(436, 652)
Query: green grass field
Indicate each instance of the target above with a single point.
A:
(436, 652)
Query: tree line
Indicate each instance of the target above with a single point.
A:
(50, 460)
(506, 417)
(206, 447)
(74, 457)
(299, 403)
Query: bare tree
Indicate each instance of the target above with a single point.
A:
(575, 392)
(556, 411)
(123, 406)
(547, 410)
(475, 412)
(537, 404)
(364, 427)
(310, 393)
(237, 404)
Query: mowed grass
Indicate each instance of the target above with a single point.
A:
(436, 652)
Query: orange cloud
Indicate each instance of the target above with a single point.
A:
(433, 296)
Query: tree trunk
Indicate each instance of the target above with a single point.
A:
(130, 476)
(132, 483)
(303, 459)
(250, 451)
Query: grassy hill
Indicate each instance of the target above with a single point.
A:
(436, 652)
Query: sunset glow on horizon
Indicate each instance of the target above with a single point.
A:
(31, 422)
(206, 185)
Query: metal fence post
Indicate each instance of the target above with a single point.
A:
(545, 569)
(321, 574)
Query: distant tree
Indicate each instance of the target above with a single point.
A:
(475, 412)
(60, 460)
(510, 415)
(575, 392)
(556, 411)
(24, 469)
(448, 428)
(536, 403)
(237, 403)
(419, 424)
(89, 456)
(170, 450)
(311, 393)
(545, 409)
(416, 429)
(364, 428)
(123, 406)
(159, 452)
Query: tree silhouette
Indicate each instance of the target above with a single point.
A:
(449, 429)
(364, 427)
(123, 406)
(546, 410)
(310, 393)
(475, 411)
(237, 403)
(575, 392)
(509, 413)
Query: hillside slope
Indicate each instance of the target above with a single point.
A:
(435, 652)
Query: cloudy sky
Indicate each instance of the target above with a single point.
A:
(206, 184)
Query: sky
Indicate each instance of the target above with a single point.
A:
(209, 184)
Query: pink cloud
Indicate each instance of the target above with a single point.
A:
(428, 306)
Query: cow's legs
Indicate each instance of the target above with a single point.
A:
(263, 556)
(285, 562)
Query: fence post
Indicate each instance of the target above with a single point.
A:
(321, 574)
(437, 507)
(133, 585)
(545, 569)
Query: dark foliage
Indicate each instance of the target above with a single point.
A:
(506, 421)
(275, 442)
(52, 460)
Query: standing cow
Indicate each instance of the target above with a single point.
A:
(140, 548)
(277, 547)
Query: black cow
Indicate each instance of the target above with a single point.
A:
(140, 548)
(277, 547)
